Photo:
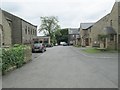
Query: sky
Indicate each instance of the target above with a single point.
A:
(70, 13)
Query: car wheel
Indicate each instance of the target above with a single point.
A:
(45, 50)
(42, 50)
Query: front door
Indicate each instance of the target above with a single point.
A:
(104, 42)
(87, 42)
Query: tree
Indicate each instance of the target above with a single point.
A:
(62, 35)
(49, 25)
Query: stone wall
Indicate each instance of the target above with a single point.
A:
(110, 20)
(97, 29)
(6, 32)
(18, 27)
(15, 25)
(29, 32)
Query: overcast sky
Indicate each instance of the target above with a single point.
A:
(70, 13)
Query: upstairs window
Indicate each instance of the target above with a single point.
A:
(28, 30)
(111, 22)
(31, 31)
(25, 29)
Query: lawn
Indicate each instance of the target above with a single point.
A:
(95, 50)
(91, 50)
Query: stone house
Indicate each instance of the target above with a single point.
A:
(73, 36)
(105, 32)
(85, 29)
(22, 31)
(29, 32)
(5, 31)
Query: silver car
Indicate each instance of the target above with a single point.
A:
(38, 47)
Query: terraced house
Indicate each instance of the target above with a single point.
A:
(106, 31)
(73, 36)
(16, 30)
(85, 30)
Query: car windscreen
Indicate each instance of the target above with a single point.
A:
(37, 44)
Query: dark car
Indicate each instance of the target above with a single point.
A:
(49, 45)
(38, 47)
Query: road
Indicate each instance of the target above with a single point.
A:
(66, 67)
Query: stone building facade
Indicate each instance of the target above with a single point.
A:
(85, 29)
(5, 31)
(22, 31)
(105, 32)
(29, 32)
(73, 36)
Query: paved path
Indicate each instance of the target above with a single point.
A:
(65, 67)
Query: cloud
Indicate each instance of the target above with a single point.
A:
(70, 12)
(11, 6)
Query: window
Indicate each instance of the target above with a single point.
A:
(35, 32)
(111, 37)
(111, 23)
(25, 29)
(28, 30)
(31, 31)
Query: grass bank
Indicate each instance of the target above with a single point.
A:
(96, 50)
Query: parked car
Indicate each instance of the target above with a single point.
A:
(65, 44)
(38, 47)
(49, 45)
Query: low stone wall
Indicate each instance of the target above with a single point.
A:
(27, 54)
(111, 45)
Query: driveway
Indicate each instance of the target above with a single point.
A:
(65, 67)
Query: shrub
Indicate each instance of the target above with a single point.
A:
(13, 56)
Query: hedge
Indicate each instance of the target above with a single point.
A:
(13, 57)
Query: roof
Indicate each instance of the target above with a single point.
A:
(73, 31)
(108, 31)
(18, 17)
(86, 25)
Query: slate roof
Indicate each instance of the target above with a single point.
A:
(108, 31)
(73, 31)
(86, 25)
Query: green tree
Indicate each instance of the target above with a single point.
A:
(62, 35)
(49, 25)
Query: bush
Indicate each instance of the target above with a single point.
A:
(12, 57)
(77, 46)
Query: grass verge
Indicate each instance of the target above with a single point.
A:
(91, 50)
(95, 50)
(77, 46)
